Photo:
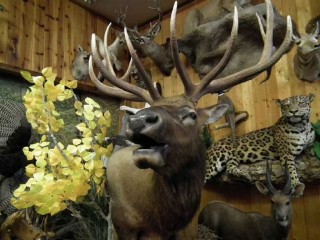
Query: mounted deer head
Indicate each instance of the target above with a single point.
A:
(306, 61)
(146, 45)
(230, 223)
(79, 66)
(155, 186)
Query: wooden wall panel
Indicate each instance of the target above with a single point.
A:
(259, 100)
(39, 33)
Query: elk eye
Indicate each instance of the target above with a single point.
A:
(287, 203)
(272, 202)
(193, 115)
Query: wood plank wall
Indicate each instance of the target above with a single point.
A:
(258, 100)
(35, 34)
(39, 33)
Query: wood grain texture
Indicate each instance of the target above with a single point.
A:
(39, 33)
(36, 34)
(259, 100)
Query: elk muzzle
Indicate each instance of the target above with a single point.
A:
(146, 128)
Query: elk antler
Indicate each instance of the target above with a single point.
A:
(267, 59)
(122, 89)
(207, 85)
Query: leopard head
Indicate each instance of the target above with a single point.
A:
(296, 108)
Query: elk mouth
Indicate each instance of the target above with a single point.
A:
(150, 154)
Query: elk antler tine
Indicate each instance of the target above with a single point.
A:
(106, 50)
(125, 77)
(145, 76)
(187, 83)
(263, 33)
(111, 91)
(239, 77)
(287, 187)
(268, 180)
(268, 35)
(113, 79)
(224, 60)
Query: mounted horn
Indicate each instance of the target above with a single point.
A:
(287, 187)
(268, 180)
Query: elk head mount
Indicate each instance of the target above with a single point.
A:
(205, 44)
(155, 185)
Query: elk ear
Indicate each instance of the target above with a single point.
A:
(262, 188)
(212, 114)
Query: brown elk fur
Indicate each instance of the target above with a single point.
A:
(155, 186)
(178, 183)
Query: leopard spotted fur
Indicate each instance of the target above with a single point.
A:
(285, 140)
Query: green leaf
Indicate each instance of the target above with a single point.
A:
(26, 75)
(316, 149)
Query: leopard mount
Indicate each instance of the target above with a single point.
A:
(288, 140)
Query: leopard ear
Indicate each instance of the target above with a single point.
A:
(278, 102)
(311, 97)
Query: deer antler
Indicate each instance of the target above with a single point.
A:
(269, 184)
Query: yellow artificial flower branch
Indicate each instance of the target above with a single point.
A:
(61, 174)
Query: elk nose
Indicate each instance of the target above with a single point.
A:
(152, 119)
(142, 120)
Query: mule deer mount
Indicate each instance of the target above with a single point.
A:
(116, 53)
(205, 44)
(166, 167)
(306, 61)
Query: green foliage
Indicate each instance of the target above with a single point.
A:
(61, 174)
(316, 143)
(206, 136)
